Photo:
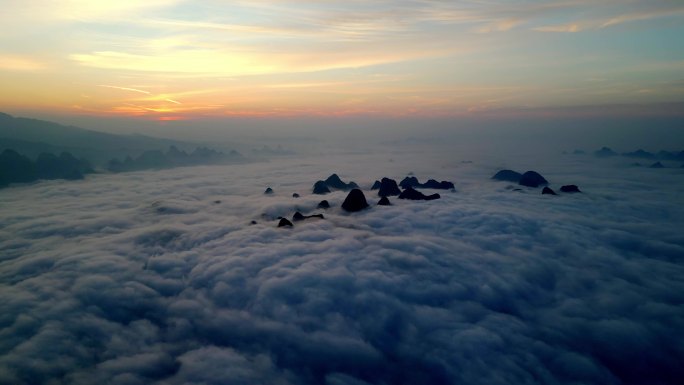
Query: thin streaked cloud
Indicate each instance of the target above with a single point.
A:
(124, 89)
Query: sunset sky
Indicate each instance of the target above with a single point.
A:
(173, 59)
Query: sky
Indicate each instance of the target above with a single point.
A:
(166, 60)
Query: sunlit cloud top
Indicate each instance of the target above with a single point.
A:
(164, 58)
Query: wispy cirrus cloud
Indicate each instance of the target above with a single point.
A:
(617, 16)
(124, 89)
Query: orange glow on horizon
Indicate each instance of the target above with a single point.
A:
(171, 118)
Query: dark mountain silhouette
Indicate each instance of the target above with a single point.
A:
(604, 152)
(671, 155)
(384, 201)
(388, 187)
(409, 181)
(355, 201)
(433, 184)
(17, 168)
(33, 136)
(300, 217)
(320, 187)
(335, 182)
(412, 181)
(415, 195)
(639, 154)
(570, 188)
(507, 176)
(532, 179)
(548, 191)
(155, 159)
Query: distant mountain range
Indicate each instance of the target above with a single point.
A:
(31, 137)
(32, 150)
(155, 159)
(17, 168)
(606, 152)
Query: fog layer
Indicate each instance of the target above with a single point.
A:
(159, 278)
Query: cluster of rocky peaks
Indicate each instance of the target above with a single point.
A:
(155, 159)
(412, 181)
(17, 168)
(674, 156)
(387, 187)
(532, 179)
(356, 200)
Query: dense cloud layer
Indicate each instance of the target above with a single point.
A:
(145, 278)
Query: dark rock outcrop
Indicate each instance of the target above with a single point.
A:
(376, 185)
(300, 217)
(570, 188)
(284, 223)
(355, 201)
(384, 201)
(412, 181)
(323, 204)
(320, 188)
(388, 187)
(507, 176)
(547, 190)
(409, 181)
(332, 182)
(656, 165)
(415, 195)
(335, 182)
(532, 179)
(268, 191)
(433, 184)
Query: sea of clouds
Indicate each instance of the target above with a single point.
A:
(158, 277)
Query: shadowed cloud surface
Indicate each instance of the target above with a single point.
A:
(142, 278)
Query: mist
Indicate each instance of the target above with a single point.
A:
(622, 127)
(181, 276)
